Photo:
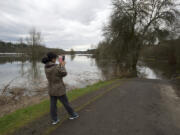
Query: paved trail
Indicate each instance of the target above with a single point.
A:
(137, 107)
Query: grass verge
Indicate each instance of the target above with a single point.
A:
(21, 117)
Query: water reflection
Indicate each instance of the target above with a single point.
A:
(146, 72)
(29, 74)
(82, 70)
(111, 69)
(72, 57)
(107, 69)
(4, 60)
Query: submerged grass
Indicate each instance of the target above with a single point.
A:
(11, 122)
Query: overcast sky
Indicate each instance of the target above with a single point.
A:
(63, 23)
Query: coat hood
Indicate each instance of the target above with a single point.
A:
(49, 65)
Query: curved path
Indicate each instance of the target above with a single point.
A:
(136, 107)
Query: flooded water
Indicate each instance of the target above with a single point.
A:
(145, 71)
(82, 70)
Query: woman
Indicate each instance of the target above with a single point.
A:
(54, 74)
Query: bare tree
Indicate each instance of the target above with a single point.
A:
(34, 40)
(34, 37)
(137, 22)
(72, 52)
(21, 41)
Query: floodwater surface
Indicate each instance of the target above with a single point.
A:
(82, 70)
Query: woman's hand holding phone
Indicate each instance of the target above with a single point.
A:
(61, 61)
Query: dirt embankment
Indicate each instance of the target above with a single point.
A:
(16, 100)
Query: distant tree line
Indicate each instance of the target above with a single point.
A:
(31, 46)
(8, 47)
(89, 51)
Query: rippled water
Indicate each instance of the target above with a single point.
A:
(82, 70)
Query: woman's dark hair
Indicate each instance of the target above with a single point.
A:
(49, 57)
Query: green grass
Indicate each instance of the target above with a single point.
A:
(11, 122)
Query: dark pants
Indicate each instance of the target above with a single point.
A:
(64, 101)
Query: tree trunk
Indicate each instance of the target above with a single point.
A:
(135, 58)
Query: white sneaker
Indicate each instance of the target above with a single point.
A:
(75, 116)
(55, 122)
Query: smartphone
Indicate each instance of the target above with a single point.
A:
(61, 59)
